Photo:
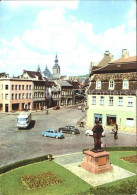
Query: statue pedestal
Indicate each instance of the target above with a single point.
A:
(96, 162)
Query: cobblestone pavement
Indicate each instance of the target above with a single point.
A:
(17, 144)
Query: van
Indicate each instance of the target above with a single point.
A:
(23, 120)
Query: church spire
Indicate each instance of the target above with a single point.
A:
(38, 69)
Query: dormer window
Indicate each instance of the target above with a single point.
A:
(98, 84)
(111, 84)
(125, 84)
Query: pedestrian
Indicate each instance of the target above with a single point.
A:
(97, 134)
(115, 131)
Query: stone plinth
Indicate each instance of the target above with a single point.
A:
(96, 162)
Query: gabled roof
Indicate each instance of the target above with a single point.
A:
(63, 83)
(34, 74)
(75, 84)
(117, 68)
(123, 59)
(49, 83)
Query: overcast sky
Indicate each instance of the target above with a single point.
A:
(31, 32)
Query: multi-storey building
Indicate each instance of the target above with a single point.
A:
(38, 89)
(112, 94)
(15, 94)
(77, 92)
(65, 92)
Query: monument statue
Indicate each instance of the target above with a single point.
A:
(97, 134)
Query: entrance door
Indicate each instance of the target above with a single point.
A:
(98, 117)
(6, 108)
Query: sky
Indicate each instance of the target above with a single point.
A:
(32, 32)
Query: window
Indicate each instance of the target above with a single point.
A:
(19, 87)
(130, 101)
(110, 101)
(12, 87)
(111, 120)
(27, 87)
(12, 96)
(22, 95)
(98, 84)
(102, 100)
(111, 84)
(125, 84)
(1, 87)
(22, 87)
(94, 100)
(120, 101)
(30, 95)
(6, 96)
(16, 87)
(19, 95)
(6, 87)
(30, 87)
(16, 96)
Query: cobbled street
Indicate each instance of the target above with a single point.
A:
(17, 144)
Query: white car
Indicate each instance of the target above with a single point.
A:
(90, 132)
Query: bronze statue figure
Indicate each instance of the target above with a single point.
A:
(97, 134)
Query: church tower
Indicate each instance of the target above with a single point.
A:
(56, 69)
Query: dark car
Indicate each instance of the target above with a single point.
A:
(69, 129)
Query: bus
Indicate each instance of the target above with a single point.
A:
(23, 120)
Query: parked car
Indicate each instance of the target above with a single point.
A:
(90, 133)
(56, 107)
(69, 129)
(52, 133)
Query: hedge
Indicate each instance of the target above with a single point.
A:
(21, 163)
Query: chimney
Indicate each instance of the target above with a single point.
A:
(106, 53)
(125, 53)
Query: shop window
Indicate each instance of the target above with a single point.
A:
(98, 117)
(111, 120)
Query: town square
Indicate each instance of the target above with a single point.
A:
(68, 97)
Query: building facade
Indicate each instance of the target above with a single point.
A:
(15, 94)
(112, 95)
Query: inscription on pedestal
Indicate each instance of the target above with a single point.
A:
(96, 162)
(102, 161)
